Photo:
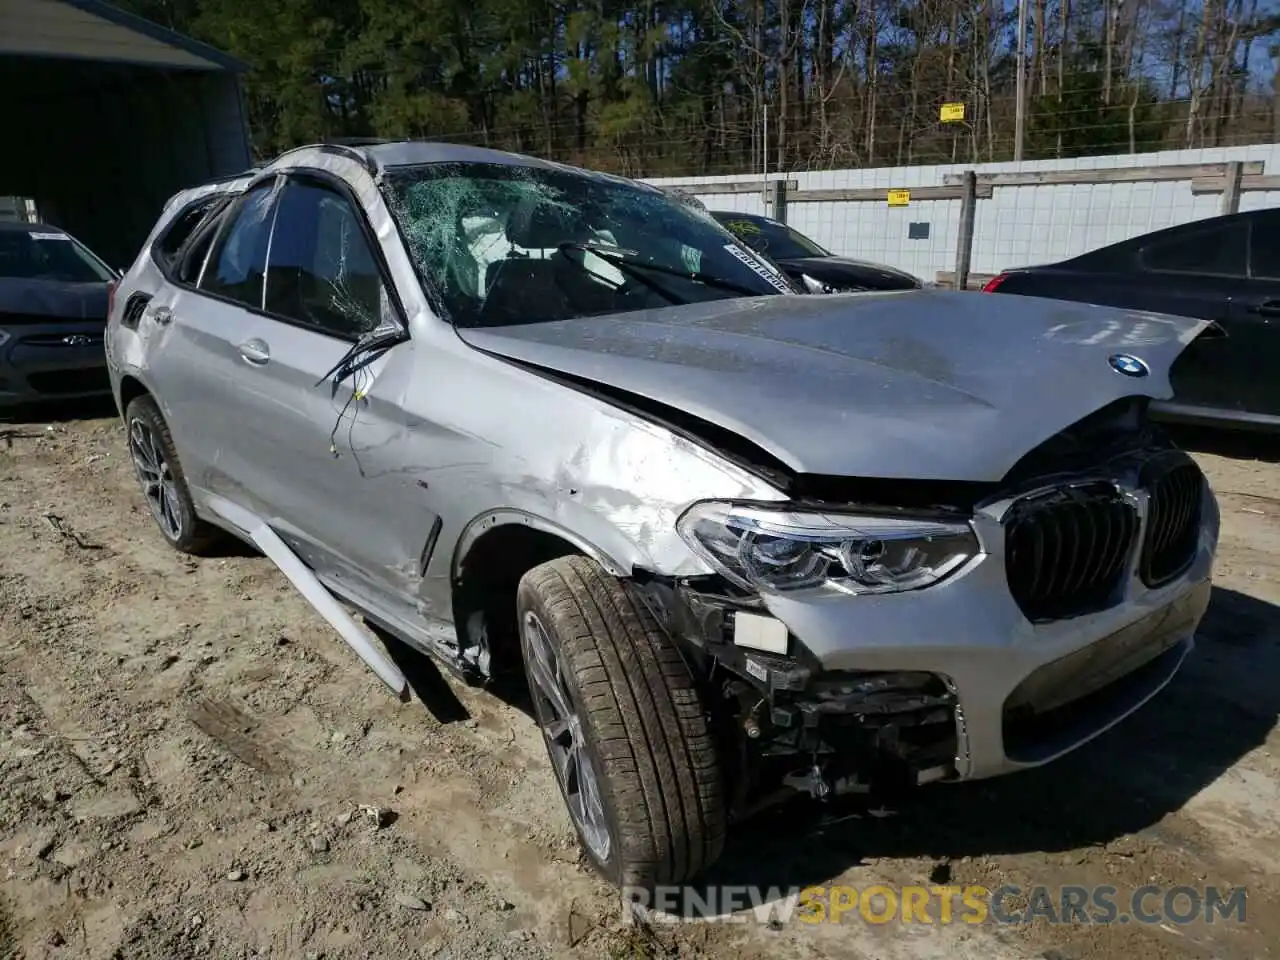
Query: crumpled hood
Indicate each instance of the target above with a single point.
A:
(928, 384)
(54, 299)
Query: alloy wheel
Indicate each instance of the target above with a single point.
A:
(566, 741)
(156, 476)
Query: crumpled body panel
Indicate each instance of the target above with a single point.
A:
(917, 385)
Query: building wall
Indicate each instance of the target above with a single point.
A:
(21, 209)
(1017, 226)
(104, 145)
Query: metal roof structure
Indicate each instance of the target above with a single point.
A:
(92, 30)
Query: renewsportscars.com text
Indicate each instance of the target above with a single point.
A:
(939, 904)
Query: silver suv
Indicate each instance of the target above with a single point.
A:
(540, 421)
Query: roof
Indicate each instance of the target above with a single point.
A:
(97, 31)
(402, 152)
(384, 154)
(21, 226)
(208, 188)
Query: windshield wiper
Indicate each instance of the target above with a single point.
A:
(620, 259)
(627, 261)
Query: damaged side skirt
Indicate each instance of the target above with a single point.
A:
(359, 639)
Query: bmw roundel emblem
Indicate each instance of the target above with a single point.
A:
(1129, 365)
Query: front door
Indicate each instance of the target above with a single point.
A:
(324, 451)
(1255, 322)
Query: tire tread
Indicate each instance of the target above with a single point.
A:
(647, 720)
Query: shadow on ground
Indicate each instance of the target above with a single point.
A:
(230, 546)
(428, 684)
(1223, 704)
(36, 416)
(1236, 444)
(426, 678)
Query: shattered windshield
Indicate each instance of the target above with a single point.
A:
(505, 244)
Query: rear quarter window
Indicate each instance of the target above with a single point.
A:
(169, 245)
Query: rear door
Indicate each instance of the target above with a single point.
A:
(190, 330)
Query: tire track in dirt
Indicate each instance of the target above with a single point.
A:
(8, 933)
(240, 734)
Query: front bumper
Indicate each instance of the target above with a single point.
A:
(995, 668)
(1012, 693)
(59, 360)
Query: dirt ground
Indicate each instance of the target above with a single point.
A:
(192, 764)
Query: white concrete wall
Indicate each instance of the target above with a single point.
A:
(1016, 226)
(21, 209)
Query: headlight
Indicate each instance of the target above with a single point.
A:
(4, 336)
(774, 551)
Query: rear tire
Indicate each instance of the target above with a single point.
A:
(164, 485)
(657, 813)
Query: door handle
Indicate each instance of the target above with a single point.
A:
(162, 316)
(255, 351)
(1267, 308)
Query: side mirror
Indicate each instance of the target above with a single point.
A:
(388, 318)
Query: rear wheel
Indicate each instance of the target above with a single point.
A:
(163, 484)
(623, 724)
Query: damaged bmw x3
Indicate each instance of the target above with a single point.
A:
(551, 425)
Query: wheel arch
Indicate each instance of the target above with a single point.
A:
(486, 523)
(130, 389)
(494, 552)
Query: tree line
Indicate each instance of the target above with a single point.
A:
(684, 87)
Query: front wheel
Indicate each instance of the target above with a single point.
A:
(623, 724)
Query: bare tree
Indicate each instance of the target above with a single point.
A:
(1195, 75)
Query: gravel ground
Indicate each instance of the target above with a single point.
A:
(193, 765)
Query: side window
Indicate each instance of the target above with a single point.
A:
(237, 264)
(1220, 250)
(170, 243)
(1264, 252)
(192, 257)
(322, 272)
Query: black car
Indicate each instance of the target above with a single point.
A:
(54, 297)
(1224, 269)
(816, 269)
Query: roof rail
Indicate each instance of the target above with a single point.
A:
(212, 182)
(347, 146)
(227, 178)
(355, 141)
